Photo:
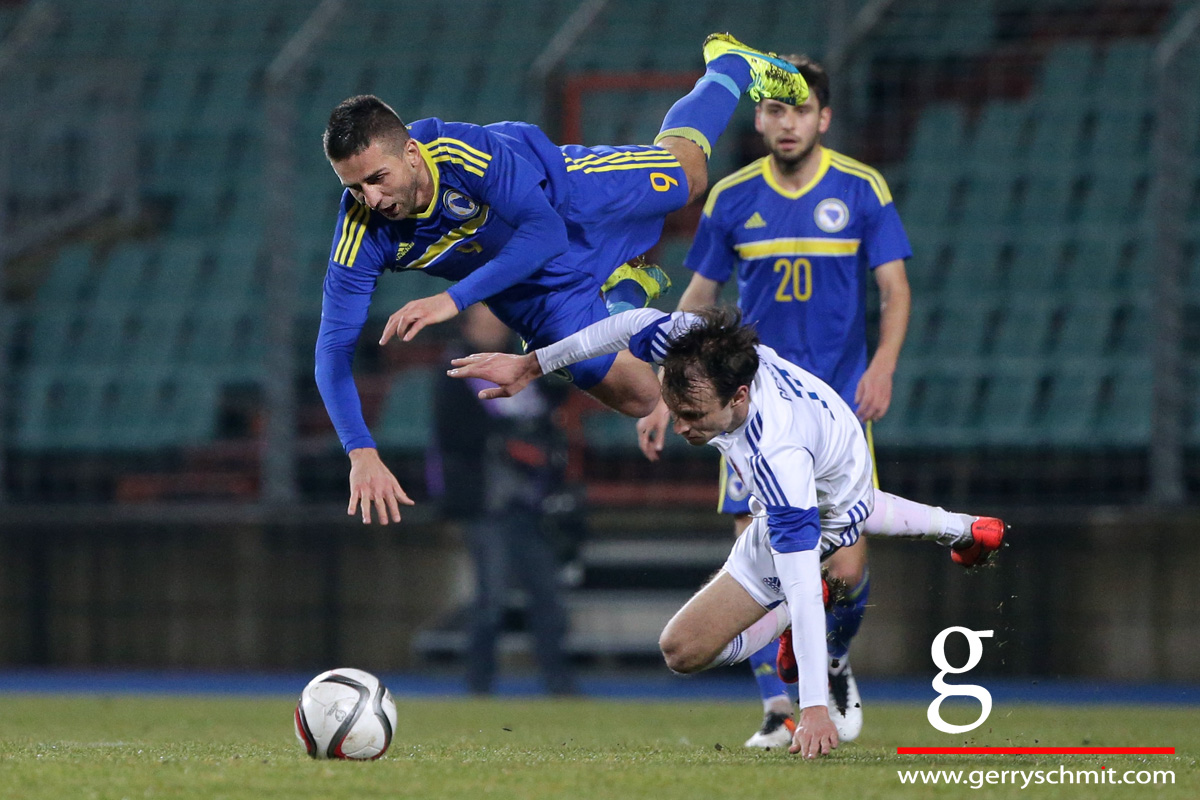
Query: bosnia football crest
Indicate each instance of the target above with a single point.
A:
(831, 215)
(459, 205)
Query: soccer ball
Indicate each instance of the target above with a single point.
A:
(345, 713)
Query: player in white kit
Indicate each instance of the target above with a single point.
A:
(802, 452)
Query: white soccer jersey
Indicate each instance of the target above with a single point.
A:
(801, 447)
(802, 453)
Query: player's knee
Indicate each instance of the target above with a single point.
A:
(682, 656)
(697, 178)
(641, 406)
(851, 574)
(694, 162)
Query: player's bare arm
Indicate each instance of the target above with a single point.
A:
(815, 735)
(417, 314)
(511, 373)
(373, 484)
(874, 392)
(652, 429)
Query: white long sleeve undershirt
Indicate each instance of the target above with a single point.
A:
(800, 575)
(609, 335)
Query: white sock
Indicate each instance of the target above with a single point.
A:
(780, 704)
(754, 638)
(895, 516)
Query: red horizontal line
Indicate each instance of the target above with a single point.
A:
(1035, 751)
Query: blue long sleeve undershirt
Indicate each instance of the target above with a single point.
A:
(540, 235)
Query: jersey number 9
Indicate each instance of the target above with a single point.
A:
(796, 282)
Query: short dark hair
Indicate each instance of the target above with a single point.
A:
(719, 351)
(814, 75)
(356, 122)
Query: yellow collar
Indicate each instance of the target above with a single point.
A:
(822, 168)
(437, 179)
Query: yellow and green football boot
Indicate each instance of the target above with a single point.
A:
(771, 77)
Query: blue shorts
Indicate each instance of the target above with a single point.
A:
(619, 197)
(735, 496)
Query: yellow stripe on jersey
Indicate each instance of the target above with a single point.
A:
(797, 247)
(638, 165)
(751, 170)
(448, 149)
(439, 158)
(337, 252)
(860, 170)
(443, 245)
(459, 143)
(362, 229)
(795, 194)
(354, 225)
(613, 158)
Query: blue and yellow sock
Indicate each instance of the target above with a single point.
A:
(702, 115)
(845, 615)
(763, 664)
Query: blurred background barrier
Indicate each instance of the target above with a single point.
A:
(171, 491)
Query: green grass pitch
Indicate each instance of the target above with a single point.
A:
(127, 746)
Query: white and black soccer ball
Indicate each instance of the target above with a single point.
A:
(345, 713)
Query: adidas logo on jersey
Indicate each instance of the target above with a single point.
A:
(756, 221)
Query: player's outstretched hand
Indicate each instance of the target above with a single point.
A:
(874, 393)
(371, 482)
(408, 321)
(652, 431)
(815, 735)
(510, 373)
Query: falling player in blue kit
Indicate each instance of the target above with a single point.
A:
(543, 233)
(804, 227)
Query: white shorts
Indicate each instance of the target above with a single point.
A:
(751, 562)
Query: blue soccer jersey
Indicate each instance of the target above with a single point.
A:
(802, 259)
(533, 228)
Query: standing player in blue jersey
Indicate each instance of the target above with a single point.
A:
(542, 233)
(804, 227)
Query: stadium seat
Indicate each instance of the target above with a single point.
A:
(997, 139)
(1068, 67)
(1025, 326)
(1044, 198)
(107, 410)
(975, 266)
(935, 402)
(1125, 72)
(1124, 416)
(939, 135)
(1035, 263)
(126, 272)
(1005, 409)
(1068, 417)
(1114, 197)
(1086, 328)
(956, 328)
(69, 277)
(406, 422)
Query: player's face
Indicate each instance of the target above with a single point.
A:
(385, 180)
(791, 132)
(704, 416)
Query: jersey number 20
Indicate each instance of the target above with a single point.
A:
(796, 283)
